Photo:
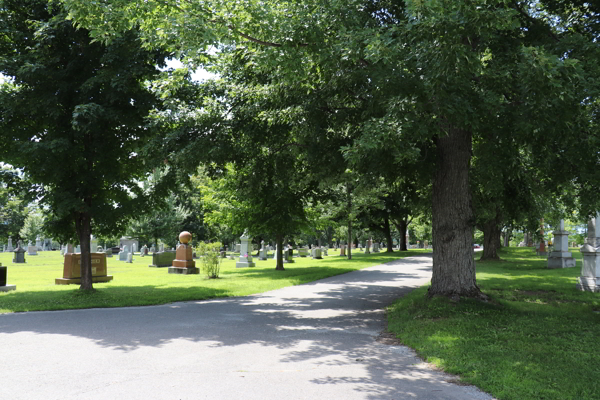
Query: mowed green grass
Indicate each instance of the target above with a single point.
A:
(136, 284)
(538, 337)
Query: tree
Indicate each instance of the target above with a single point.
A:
(13, 204)
(443, 72)
(73, 119)
(32, 226)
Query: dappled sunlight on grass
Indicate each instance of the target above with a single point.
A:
(531, 341)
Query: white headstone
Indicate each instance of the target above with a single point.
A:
(10, 245)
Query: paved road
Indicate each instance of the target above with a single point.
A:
(313, 341)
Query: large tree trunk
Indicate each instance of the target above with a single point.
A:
(279, 250)
(83, 227)
(453, 263)
(388, 235)
(402, 225)
(491, 240)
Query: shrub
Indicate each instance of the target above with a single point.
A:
(211, 258)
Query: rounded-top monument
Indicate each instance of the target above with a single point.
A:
(185, 237)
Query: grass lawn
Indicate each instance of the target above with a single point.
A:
(537, 339)
(136, 284)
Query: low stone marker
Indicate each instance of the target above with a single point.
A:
(31, 250)
(590, 270)
(316, 253)
(3, 286)
(162, 259)
(262, 255)
(342, 250)
(288, 256)
(123, 253)
(72, 269)
(303, 252)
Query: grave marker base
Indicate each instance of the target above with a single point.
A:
(184, 270)
(73, 281)
(8, 288)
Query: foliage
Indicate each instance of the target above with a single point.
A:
(32, 227)
(211, 258)
(73, 119)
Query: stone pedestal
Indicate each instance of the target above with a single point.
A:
(184, 263)
(590, 270)
(245, 250)
(561, 257)
(72, 269)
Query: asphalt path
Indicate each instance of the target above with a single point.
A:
(321, 340)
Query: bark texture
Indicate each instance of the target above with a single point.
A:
(491, 240)
(279, 250)
(402, 225)
(83, 227)
(453, 222)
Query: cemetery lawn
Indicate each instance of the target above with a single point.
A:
(136, 284)
(536, 339)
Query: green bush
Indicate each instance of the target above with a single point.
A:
(211, 258)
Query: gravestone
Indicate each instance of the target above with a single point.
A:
(368, 247)
(38, 244)
(162, 259)
(3, 286)
(561, 257)
(303, 252)
(342, 250)
(143, 251)
(153, 249)
(134, 248)
(94, 245)
(78, 249)
(288, 255)
(161, 247)
(324, 250)
(183, 263)
(541, 250)
(129, 258)
(238, 247)
(245, 260)
(129, 242)
(590, 270)
(316, 253)
(375, 247)
(19, 256)
(72, 269)
(262, 255)
(123, 253)
(10, 246)
(31, 250)
(108, 252)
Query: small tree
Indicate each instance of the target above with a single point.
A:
(32, 227)
(211, 258)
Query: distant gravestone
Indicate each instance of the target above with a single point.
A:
(184, 263)
(161, 247)
(303, 252)
(590, 270)
(123, 253)
(324, 251)
(375, 247)
(245, 250)
(32, 250)
(19, 252)
(108, 252)
(78, 249)
(238, 247)
(342, 250)
(10, 245)
(134, 248)
(561, 257)
(262, 255)
(153, 249)
(129, 258)
(316, 253)
(94, 245)
(38, 244)
(288, 255)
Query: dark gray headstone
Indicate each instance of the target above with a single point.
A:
(163, 259)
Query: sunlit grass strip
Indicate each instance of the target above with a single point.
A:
(136, 284)
(536, 339)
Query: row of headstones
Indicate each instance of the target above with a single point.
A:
(31, 250)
